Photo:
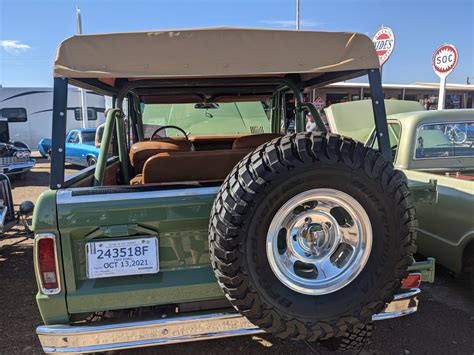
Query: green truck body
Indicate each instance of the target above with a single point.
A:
(180, 222)
(446, 225)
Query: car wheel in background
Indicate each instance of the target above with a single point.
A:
(310, 235)
(468, 265)
(91, 161)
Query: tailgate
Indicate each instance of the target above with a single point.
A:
(177, 218)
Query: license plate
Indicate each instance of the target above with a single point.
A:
(122, 257)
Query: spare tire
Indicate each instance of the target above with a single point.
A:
(310, 235)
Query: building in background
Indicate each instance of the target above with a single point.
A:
(457, 95)
(29, 112)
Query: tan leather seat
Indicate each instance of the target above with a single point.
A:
(141, 151)
(167, 162)
(211, 165)
(252, 141)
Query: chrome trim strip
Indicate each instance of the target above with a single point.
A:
(391, 315)
(65, 197)
(80, 339)
(403, 304)
(408, 293)
(174, 329)
(12, 168)
(43, 290)
(3, 216)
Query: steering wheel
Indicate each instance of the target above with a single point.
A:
(169, 126)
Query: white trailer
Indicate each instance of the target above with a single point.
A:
(29, 112)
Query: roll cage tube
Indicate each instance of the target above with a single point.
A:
(129, 87)
(110, 122)
(380, 115)
(275, 113)
(60, 112)
(122, 146)
(314, 112)
(58, 133)
(136, 116)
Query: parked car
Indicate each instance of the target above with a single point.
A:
(424, 149)
(190, 237)
(80, 147)
(15, 156)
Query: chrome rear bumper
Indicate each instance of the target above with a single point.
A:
(17, 168)
(176, 329)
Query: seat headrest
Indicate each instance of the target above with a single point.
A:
(141, 151)
(253, 140)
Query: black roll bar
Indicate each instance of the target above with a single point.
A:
(60, 92)
(380, 115)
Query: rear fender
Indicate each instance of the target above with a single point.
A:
(424, 192)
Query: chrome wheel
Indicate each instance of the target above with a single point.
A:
(319, 241)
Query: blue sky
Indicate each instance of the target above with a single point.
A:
(30, 31)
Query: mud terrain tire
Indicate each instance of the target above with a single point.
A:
(260, 185)
(356, 339)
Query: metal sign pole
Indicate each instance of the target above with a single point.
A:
(82, 91)
(442, 93)
(297, 15)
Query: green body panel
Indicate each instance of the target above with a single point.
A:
(53, 308)
(447, 227)
(356, 118)
(446, 223)
(181, 224)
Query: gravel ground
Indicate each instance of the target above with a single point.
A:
(444, 323)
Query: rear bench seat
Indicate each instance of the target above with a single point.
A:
(179, 164)
(141, 151)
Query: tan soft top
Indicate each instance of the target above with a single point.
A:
(211, 53)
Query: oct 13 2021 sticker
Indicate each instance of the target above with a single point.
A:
(122, 257)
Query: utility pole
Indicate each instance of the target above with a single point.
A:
(297, 15)
(82, 91)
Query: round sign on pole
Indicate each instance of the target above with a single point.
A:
(445, 59)
(384, 42)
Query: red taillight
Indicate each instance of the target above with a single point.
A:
(47, 266)
(411, 281)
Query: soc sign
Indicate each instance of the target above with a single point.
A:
(445, 59)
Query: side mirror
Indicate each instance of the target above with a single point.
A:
(26, 208)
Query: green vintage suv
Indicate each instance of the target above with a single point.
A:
(202, 218)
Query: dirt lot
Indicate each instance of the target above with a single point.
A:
(444, 323)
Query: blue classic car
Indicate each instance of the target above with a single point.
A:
(80, 147)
